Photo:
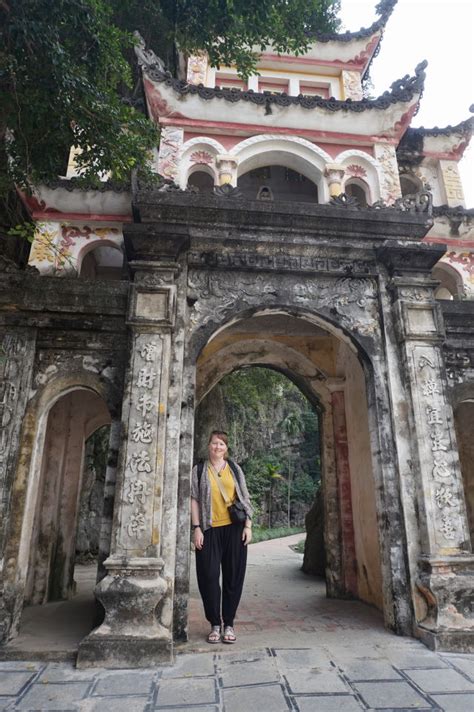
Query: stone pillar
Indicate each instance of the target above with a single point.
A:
(335, 174)
(227, 169)
(445, 563)
(17, 350)
(109, 498)
(349, 558)
(132, 635)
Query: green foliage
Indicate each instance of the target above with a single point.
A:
(68, 75)
(272, 422)
(264, 534)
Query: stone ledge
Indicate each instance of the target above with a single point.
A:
(448, 640)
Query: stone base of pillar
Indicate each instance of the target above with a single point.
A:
(447, 585)
(449, 640)
(130, 635)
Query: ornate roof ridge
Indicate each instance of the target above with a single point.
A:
(402, 90)
(464, 127)
(384, 9)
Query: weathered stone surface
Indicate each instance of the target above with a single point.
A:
(355, 288)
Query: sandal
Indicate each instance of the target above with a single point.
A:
(229, 635)
(215, 635)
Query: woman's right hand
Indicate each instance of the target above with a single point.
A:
(198, 538)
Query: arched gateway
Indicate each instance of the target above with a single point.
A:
(340, 299)
(282, 252)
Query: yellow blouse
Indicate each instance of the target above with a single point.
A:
(219, 513)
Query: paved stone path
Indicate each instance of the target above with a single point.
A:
(322, 656)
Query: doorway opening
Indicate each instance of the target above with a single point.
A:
(64, 528)
(343, 542)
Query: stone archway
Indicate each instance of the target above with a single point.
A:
(41, 545)
(325, 366)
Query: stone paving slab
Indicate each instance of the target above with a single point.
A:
(464, 664)
(334, 703)
(455, 703)
(184, 692)
(432, 681)
(370, 670)
(124, 682)
(305, 681)
(114, 704)
(248, 699)
(56, 696)
(245, 673)
(191, 665)
(390, 695)
(11, 683)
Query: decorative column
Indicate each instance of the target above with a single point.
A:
(227, 169)
(17, 351)
(131, 634)
(445, 564)
(335, 174)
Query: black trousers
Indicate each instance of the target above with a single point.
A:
(223, 548)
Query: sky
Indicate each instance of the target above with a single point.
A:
(442, 32)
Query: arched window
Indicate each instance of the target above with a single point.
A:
(277, 183)
(201, 180)
(357, 190)
(102, 262)
(410, 184)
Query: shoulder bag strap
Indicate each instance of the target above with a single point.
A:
(220, 486)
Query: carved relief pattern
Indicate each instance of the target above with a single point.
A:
(353, 299)
(390, 183)
(197, 68)
(141, 446)
(444, 481)
(201, 157)
(170, 144)
(356, 171)
(457, 363)
(352, 85)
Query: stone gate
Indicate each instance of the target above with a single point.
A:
(339, 298)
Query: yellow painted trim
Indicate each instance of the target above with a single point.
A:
(284, 71)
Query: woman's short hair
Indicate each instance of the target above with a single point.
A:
(221, 434)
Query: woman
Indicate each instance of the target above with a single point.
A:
(219, 543)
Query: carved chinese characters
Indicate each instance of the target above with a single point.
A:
(444, 484)
(141, 457)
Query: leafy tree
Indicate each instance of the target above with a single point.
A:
(68, 74)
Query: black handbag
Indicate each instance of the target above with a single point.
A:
(237, 513)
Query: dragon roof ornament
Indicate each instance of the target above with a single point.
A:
(384, 9)
(465, 127)
(402, 90)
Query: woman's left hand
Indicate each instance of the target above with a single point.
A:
(247, 535)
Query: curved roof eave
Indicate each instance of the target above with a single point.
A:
(384, 9)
